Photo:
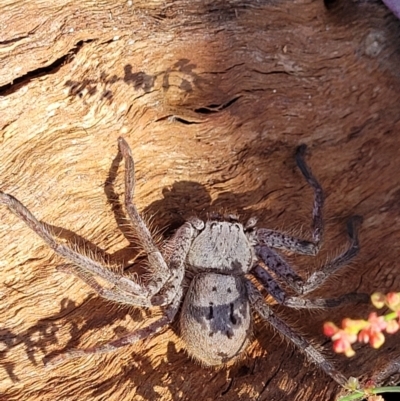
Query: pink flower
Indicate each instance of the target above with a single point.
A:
(377, 323)
(342, 343)
(373, 332)
(342, 339)
(367, 331)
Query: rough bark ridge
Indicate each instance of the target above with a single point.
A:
(213, 97)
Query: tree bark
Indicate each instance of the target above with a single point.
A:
(213, 97)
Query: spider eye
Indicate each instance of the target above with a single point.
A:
(232, 217)
(237, 226)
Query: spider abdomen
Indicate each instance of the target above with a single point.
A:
(215, 320)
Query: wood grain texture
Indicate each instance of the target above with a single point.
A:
(213, 97)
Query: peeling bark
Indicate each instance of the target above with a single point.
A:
(213, 98)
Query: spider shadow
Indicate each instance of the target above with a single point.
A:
(34, 339)
(182, 200)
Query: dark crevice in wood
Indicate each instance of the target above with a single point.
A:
(177, 119)
(13, 40)
(215, 108)
(183, 121)
(50, 69)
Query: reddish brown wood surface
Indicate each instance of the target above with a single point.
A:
(213, 97)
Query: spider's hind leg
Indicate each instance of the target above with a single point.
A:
(312, 353)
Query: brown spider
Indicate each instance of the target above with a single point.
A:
(211, 259)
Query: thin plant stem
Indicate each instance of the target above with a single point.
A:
(359, 394)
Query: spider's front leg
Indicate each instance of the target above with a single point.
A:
(160, 270)
(257, 301)
(118, 287)
(268, 239)
(167, 275)
(275, 239)
(89, 270)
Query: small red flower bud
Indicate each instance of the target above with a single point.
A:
(376, 340)
(330, 329)
(392, 326)
(341, 346)
(363, 336)
(370, 384)
(378, 300)
(393, 301)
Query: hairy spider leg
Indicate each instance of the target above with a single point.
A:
(319, 198)
(111, 294)
(133, 291)
(257, 301)
(276, 291)
(175, 252)
(282, 269)
(275, 239)
(160, 270)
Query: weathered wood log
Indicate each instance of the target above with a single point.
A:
(213, 97)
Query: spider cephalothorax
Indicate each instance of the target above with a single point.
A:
(204, 269)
